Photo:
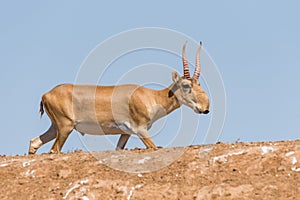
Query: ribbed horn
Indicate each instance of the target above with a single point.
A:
(186, 72)
(197, 68)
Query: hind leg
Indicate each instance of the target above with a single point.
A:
(37, 142)
(122, 141)
(63, 131)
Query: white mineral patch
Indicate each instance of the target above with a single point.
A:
(132, 190)
(223, 158)
(84, 182)
(289, 153)
(295, 169)
(142, 161)
(85, 198)
(27, 163)
(207, 149)
(294, 160)
(75, 187)
(266, 149)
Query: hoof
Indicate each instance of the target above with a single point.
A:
(54, 152)
(32, 150)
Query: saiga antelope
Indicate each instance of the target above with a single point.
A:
(123, 109)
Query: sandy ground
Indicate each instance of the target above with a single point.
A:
(262, 170)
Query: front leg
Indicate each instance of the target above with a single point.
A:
(144, 136)
(122, 141)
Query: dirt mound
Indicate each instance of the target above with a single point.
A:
(263, 170)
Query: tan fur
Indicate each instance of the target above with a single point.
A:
(123, 109)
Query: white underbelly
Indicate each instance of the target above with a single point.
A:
(94, 128)
(89, 128)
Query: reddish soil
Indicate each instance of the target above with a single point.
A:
(262, 170)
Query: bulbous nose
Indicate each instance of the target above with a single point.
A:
(198, 110)
(206, 112)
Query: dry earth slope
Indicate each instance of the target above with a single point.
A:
(262, 170)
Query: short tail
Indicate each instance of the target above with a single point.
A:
(41, 108)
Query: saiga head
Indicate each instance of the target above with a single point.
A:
(188, 90)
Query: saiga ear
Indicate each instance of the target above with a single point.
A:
(175, 77)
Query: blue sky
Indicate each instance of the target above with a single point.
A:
(255, 45)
